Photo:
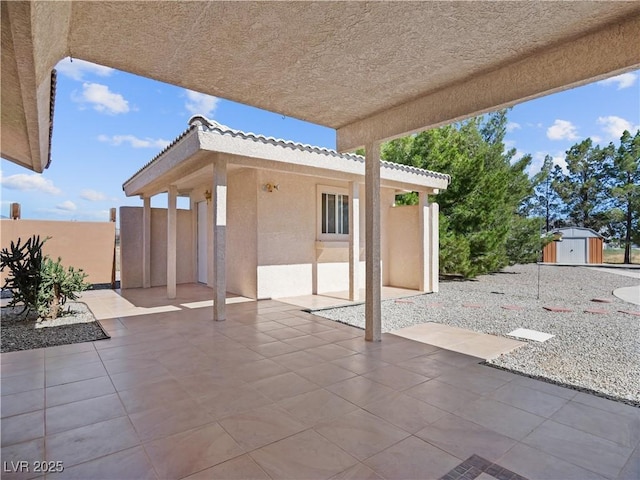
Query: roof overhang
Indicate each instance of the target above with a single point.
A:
(190, 156)
(370, 70)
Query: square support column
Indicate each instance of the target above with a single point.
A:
(219, 194)
(435, 246)
(373, 284)
(354, 241)
(424, 245)
(172, 241)
(146, 242)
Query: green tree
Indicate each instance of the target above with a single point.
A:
(584, 188)
(480, 206)
(545, 201)
(624, 175)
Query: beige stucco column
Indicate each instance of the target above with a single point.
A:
(146, 242)
(172, 237)
(219, 194)
(373, 283)
(435, 246)
(354, 241)
(424, 254)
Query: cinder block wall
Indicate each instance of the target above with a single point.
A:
(86, 245)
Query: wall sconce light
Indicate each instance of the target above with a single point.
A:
(270, 187)
(207, 195)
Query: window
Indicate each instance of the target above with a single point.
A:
(333, 213)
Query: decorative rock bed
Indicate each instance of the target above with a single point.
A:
(76, 325)
(593, 351)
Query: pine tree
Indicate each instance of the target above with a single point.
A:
(584, 187)
(624, 174)
(480, 206)
(545, 201)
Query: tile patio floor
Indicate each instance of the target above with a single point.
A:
(274, 392)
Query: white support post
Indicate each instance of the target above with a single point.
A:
(219, 193)
(435, 246)
(424, 227)
(146, 242)
(172, 241)
(373, 286)
(354, 241)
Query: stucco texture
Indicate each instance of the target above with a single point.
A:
(85, 245)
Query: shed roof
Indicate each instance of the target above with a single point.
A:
(248, 149)
(577, 232)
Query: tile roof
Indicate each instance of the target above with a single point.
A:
(200, 121)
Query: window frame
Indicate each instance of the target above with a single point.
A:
(330, 190)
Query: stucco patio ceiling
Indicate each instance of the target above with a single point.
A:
(371, 71)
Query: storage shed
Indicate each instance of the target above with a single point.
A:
(575, 245)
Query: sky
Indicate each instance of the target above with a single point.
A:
(108, 124)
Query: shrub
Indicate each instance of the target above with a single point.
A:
(38, 282)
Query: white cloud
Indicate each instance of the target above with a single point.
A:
(102, 99)
(538, 161)
(134, 141)
(200, 103)
(614, 126)
(29, 181)
(511, 126)
(596, 138)
(562, 130)
(92, 195)
(77, 69)
(67, 206)
(625, 80)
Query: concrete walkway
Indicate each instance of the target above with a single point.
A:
(628, 294)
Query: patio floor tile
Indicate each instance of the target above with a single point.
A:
(239, 468)
(304, 455)
(361, 434)
(21, 428)
(31, 451)
(73, 392)
(622, 430)
(395, 377)
(283, 386)
(463, 438)
(533, 463)
(24, 402)
(189, 452)
(74, 373)
(131, 464)
(442, 395)
(316, 406)
(528, 399)
(325, 374)
(412, 458)
(21, 383)
(261, 426)
(358, 472)
(227, 399)
(169, 419)
(90, 442)
(84, 412)
(360, 390)
(405, 412)
(575, 446)
(501, 418)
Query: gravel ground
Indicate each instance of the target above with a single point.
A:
(597, 352)
(19, 333)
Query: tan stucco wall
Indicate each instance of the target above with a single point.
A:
(289, 261)
(242, 251)
(403, 247)
(85, 245)
(131, 247)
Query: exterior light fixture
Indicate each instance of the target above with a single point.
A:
(207, 195)
(270, 187)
